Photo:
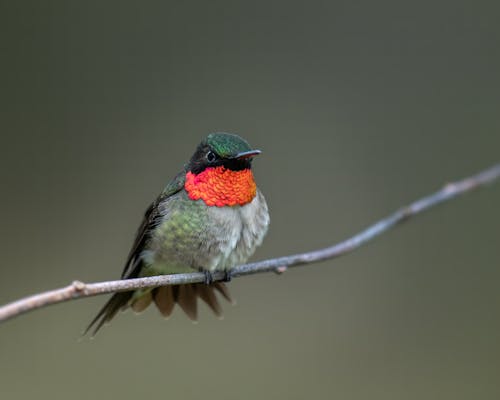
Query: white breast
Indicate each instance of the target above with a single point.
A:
(240, 229)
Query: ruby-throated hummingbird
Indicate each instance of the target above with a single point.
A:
(210, 217)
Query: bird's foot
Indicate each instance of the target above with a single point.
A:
(209, 278)
(227, 276)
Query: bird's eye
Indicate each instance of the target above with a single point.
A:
(211, 157)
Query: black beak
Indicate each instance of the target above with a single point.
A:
(247, 154)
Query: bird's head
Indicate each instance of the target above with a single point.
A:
(222, 149)
(219, 172)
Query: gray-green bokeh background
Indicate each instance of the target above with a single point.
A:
(359, 108)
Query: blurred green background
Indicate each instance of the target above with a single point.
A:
(359, 108)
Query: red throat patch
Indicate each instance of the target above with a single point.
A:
(221, 187)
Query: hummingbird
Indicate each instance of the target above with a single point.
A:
(210, 217)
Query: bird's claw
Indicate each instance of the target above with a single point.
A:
(208, 277)
(227, 276)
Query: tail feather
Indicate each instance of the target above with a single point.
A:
(165, 298)
(207, 294)
(187, 300)
(108, 311)
(224, 291)
(142, 302)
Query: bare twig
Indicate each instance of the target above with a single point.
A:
(79, 289)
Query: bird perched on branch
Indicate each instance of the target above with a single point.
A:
(210, 217)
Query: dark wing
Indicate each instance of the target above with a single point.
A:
(151, 220)
(133, 265)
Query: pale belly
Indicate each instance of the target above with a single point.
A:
(196, 237)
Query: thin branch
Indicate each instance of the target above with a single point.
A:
(79, 289)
